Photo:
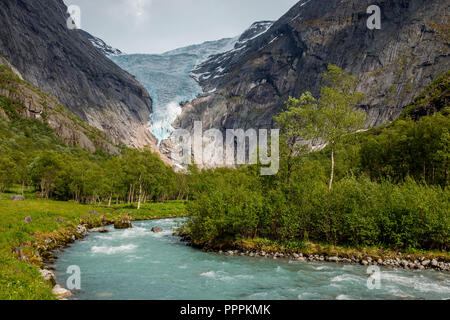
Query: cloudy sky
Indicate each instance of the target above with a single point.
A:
(156, 26)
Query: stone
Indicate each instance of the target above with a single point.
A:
(82, 229)
(333, 259)
(434, 263)
(27, 219)
(157, 229)
(100, 229)
(123, 223)
(17, 198)
(364, 262)
(61, 292)
(48, 276)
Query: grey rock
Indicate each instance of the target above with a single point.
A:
(157, 229)
(434, 263)
(61, 292)
(17, 198)
(73, 70)
(124, 223)
(48, 276)
(100, 230)
(392, 67)
(28, 220)
(82, 229)
(333, 259)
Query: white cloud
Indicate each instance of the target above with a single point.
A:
(155, 26)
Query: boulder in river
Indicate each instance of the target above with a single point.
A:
(17, 198)
(157, 229)
(123, 223)
(100, 229)
(61, 292)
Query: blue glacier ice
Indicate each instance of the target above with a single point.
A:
(167, 78)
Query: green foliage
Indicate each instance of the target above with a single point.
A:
(231, 205)
(20, 280)
(391, 188)
(416, 149)
(331, 118)
(31, 154)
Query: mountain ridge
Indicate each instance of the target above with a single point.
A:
(247, 87)
(35, 39)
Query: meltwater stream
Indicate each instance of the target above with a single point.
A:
(139, 264)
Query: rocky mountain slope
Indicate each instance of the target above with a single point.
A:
(248, 85)
(20, 97)
(105, 48)
(35, 39)
(169, 80)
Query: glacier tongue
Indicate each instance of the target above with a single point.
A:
(172, 77)
(168, 80)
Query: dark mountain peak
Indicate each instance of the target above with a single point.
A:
(35, 39)
(106, 49)
(249, 84)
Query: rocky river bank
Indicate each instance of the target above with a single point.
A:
(404, 261)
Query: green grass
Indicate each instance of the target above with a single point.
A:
(21, 280)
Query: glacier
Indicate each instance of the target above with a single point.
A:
(167, 77)
(173, 77)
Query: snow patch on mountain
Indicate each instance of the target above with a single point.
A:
(215, 66)
(100, 44)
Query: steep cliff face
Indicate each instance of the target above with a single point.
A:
(35, 39)
(105, 48)
(248, 85)
(22, 98)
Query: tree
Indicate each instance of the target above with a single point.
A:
(8, 173)
(294, 126)
(331, 118)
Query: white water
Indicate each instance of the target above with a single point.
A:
(139, 264)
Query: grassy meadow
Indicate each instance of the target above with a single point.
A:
(22, 280)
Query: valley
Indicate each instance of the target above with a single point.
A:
(362, 120)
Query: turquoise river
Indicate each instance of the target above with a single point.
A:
(139, 264)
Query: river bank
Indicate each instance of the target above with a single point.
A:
(310, 252)
(31, 231)
(139, 263)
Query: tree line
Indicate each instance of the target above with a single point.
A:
(384, 187)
